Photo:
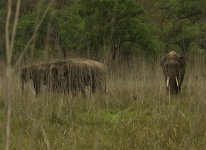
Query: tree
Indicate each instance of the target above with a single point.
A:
(9, 42)
(184, 24)
(115, 23)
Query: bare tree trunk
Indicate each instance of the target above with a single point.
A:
(35, 30)
(8, 104)
(9, 88)
(8, 72)
(9, 69)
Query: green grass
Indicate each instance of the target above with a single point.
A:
(135, 113)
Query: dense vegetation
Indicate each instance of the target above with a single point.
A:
(110, 28)
(135, 112)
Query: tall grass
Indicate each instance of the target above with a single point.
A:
(134, 113)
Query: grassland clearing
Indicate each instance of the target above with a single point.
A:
(135, 113)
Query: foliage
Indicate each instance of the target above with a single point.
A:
(184, 24)
(116, 23)
(71, 28)
(116, 27)
(135, 113)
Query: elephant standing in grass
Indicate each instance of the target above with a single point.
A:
(38, 73)
(69, 75)
(173, 67)
(95, 75)
(74, 75)
(57, 79)
(41, 74)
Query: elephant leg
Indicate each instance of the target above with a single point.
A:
(92, 82)
(80, 87)
(93, 86)
(49, 85)
(55, 86)
(98, 84)
(102, 86)
(37, 86)
(72, 87)
(174, 87)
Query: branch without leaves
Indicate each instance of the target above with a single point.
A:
(193, 14)
(9, 87)
(35, 31)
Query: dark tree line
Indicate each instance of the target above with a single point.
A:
(108, 28)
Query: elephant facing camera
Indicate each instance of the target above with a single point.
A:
(173, 67)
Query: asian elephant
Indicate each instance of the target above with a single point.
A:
(173, 67)
(73, 75)
(38, 73)
(95, 75)
(66, 75)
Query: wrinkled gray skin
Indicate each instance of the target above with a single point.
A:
(75, 74)
(70, 75)
(38, 73)
(173, 67)
(41, 74)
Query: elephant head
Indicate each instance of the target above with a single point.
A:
(27, 73)
(58, 75)
(38, 73)
(173, 67)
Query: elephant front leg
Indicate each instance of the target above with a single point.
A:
(93, 86)
(37, 86)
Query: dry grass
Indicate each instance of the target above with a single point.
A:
(135, 113)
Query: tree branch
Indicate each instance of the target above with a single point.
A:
(7, 39)
(9, 87)
(14, 27)
(187, 16)
(35, 31)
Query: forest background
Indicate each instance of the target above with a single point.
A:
(110, 29)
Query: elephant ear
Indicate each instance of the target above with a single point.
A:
(162, 62)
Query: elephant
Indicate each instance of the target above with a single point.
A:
(38, 73)
(66, 75)
(57, 76)
(94, 75)
(74, 74)
(27, 73)
(173, 67)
